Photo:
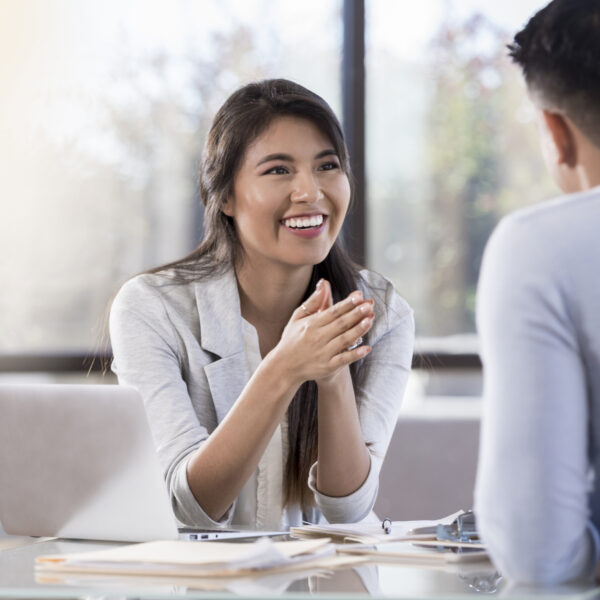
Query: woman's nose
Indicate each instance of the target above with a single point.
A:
(306, 189)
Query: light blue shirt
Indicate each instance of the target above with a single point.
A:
(538, 315)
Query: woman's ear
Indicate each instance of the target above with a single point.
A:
(227, 206)
(563, 150)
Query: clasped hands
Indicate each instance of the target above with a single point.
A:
(316, 344)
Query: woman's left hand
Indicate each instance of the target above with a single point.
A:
(319, 340)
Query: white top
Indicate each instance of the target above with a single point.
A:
(260, 501)
(186, 349)
(538, 314)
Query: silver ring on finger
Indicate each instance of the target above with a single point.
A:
(356, 344)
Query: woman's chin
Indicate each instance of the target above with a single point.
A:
(308, 258)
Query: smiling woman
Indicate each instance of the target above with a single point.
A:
(266, 406)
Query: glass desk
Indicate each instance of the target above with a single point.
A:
(18, 579)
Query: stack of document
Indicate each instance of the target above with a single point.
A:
(198, 559)
(415, 552)
(413, 541)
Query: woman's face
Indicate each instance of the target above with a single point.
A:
(290, 195)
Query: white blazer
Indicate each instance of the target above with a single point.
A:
(182, 347)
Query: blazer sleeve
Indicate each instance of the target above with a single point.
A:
(148, 356)
(379, 396)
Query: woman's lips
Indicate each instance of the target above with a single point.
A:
(307, 232)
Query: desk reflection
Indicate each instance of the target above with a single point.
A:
(391, 580)
(363, 579)
(381, 579)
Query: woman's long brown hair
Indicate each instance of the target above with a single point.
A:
(243, 117)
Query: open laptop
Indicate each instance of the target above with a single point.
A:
(78, 461)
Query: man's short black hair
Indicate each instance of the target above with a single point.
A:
(559, 52)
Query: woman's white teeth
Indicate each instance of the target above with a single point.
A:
(314, 221)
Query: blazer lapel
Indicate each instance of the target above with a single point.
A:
(220, 316)
(226, 379)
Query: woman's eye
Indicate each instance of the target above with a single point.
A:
(276, 171)
(329, 166)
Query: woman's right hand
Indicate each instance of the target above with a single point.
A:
(315, 342)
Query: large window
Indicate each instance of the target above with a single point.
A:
(103, 111)
(451, 147)
(104, 107)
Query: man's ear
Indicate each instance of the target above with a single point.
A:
(227, 207)
(562, 138)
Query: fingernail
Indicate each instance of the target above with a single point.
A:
(364, 308)
(356, 297)
(319, 283)
(364, 350)
(365, 322)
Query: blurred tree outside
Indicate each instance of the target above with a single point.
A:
(103, 185)
(484, 161)
(103, 116)
(121, 188)
(452, 147)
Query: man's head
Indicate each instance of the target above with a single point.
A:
(559, 53)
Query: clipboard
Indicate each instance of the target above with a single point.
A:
(462, 530)
(454, 542)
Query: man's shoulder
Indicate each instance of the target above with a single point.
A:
(569, 209)
(558, 228)
(541, 256)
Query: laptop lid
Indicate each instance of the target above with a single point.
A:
(78, 461)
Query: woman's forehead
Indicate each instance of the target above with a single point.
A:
(286, 134)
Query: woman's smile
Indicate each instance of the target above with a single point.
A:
(306, 225)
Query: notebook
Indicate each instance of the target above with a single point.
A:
(78, 461)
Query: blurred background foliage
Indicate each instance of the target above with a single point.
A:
(477, 160)
(103, 118)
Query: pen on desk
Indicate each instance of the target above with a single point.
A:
(386, 525)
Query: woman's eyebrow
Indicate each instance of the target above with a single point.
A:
(278, 156)
(327, 152)
(289, 158)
